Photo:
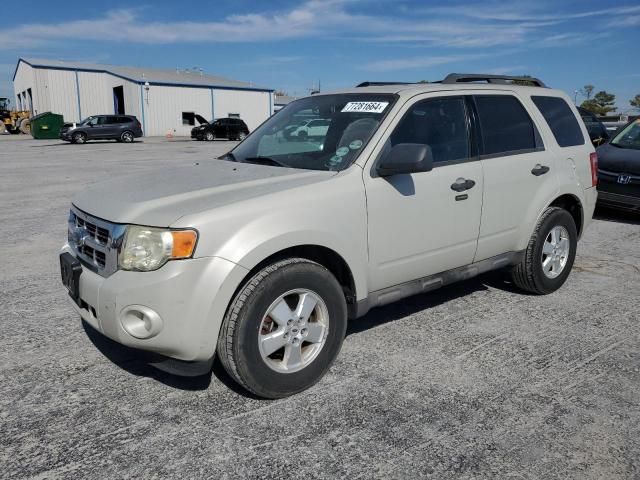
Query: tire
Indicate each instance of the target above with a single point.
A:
(302, 136)
(537, 273)
(127, 137)
(25, 126)
(241, 350)
(79, 137)
(209, 137)
(241, 136)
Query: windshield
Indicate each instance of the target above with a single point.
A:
(89, 120)
(629, 137)
(321, 132)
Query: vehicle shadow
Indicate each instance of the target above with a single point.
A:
(140, 363)
(91, 142)
(618, 216)
(425, 301)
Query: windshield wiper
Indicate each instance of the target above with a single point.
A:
(265, 161)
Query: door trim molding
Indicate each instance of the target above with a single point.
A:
(433, 282)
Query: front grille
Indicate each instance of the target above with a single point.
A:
(101, 235)
(98, 257)
(95, 242)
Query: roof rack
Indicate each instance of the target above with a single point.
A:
(489, 78)
(380, 84)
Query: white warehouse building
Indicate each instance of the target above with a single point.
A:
(165, 101)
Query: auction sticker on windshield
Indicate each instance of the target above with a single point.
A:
(365, 107)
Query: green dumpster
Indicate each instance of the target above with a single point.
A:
(46, 125)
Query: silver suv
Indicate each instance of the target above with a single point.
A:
(262, 255)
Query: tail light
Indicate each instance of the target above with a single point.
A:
(593, 160)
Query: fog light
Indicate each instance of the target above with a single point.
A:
(140, 321)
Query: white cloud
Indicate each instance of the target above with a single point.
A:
(413, 63)
(462, 26)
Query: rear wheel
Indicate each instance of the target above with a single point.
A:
(79, 137)
(550, 254)
(209, 136)
(242, 136)
(127, 137)
(284, 328)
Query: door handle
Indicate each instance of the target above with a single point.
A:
(462, 184)
(539, 170)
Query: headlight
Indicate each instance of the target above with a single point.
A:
(148, 248)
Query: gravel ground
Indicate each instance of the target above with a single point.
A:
(476, 380)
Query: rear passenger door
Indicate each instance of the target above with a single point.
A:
(519, 174)
(425, 223)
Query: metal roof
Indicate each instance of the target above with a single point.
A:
(283, 99)
(141, 75)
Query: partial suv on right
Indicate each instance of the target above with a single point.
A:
(263, 255)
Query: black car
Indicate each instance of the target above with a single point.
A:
(230, 128)
(598, 132)
(123, 128)
(619, 169)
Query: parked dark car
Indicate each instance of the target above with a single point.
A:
(230, 128)
(619, 169)
(123, 128)
(598, 133)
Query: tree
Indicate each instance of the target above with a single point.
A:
(601, 103)
(586, 91)
(635, 101)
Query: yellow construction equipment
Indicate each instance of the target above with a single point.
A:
(13, 121)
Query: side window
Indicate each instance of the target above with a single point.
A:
(124, 120)
(561, 120)
(440, 123)
(104, 120)
(505, 124)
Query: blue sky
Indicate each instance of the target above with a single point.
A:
(291, 45)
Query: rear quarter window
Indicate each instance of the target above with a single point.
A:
(561, 120)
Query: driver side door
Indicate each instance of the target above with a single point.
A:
(420, 224)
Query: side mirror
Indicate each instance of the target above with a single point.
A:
(406, 158)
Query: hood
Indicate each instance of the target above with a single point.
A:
(201, 120)
(619, 160)
(160, 198)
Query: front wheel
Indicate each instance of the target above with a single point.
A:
(549, 256)
(209, 136)
(284, 328)
(78, 138)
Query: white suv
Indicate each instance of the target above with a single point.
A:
(262, 255)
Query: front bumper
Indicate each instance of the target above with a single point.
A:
(616, 200)
(189, 297)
